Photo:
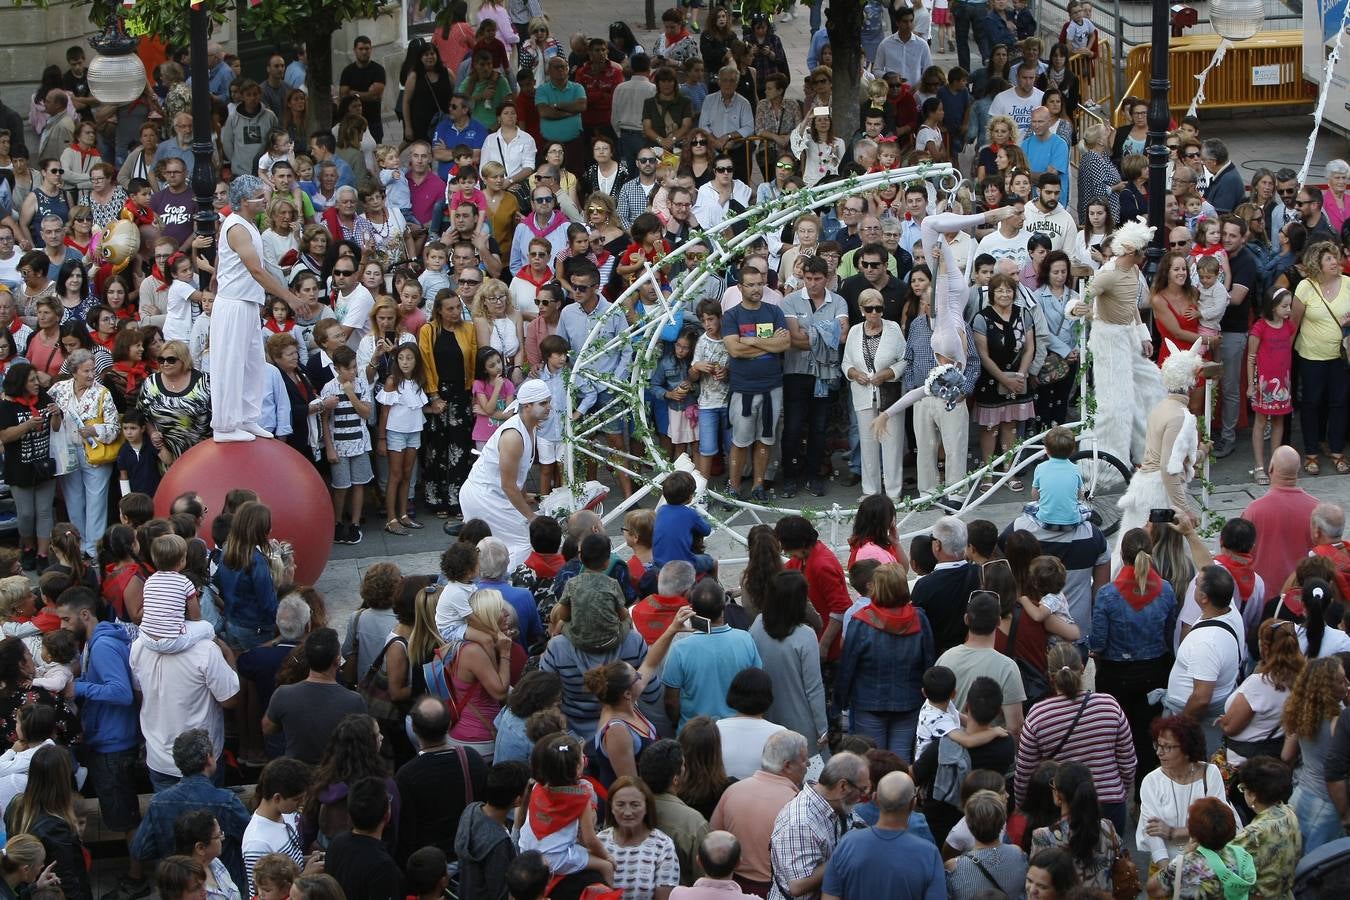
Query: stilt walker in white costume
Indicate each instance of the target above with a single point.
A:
(1126, 382)
(1172, 447)
(238, 367)
(951, 291)
(494, 490)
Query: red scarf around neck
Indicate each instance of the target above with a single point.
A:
(1239, 565)
(1129, 589)
(898, 620)
(87, 153)
(554, 808)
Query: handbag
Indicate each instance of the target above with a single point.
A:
(1034, 684)
(374, 689)
(99, 453)
(1125, 884)
(1055, 369)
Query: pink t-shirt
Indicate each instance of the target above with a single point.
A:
(1283, 532)
(483, 427)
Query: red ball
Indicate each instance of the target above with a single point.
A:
(302, 510)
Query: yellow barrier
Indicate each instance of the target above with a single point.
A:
(1266, 70)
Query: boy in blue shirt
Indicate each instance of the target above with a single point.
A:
(677, 524)
(1058, 484)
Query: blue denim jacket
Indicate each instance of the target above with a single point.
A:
(1120, 634)
(882, 672)
(668, 375)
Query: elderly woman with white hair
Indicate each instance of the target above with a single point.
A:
(85, 487)
(1335, 203)
(1098, 177)
(243, 282)
(341, 217)
(493, 559)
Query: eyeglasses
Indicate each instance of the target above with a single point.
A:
(724, 170)
(1160, 747)
(167, 360)
(870, 264)
(873, 309)
(343, 273)
(542, 199)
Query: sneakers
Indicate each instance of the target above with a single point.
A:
(1224, 448)
(353, 533)
(816, 487)
(758, 494)
(789, 490)
(345, 533)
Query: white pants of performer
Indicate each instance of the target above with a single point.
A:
(881, 459)
(1127, 385)
(237, 376)
(1145, 493)
(507, 524)
(934, 423)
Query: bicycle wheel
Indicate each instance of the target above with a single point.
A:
(1104, 481)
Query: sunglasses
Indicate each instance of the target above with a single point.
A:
(596, 209)
(1285, 192)
(82, 218)
(865, 264)
(343, 273)
(724, 170)
(698, 142)
(582, 287)
(1178, 244)
(873, 309)
(538, 254)
(648, 160)
(786, 166)
(1192, 155)
(542, 199)
(1172, 148)
(167, 360)
(471, 281)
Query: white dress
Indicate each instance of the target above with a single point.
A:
(482, 496)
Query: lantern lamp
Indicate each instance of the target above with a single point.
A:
(116, 74)
(1236, 20)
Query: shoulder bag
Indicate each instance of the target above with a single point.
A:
(1345, 338)
(374, 689)
(1034, 683)
(99, 453)
(1125, 884)
(1082, 708)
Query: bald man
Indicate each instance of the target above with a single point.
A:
(718, 854)
(1282, 518)
(886, 860)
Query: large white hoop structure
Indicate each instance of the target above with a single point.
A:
(584, 438)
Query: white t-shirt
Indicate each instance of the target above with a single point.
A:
(353, 311)
(405, 407)
(178, 321)
(188, 688)
(743, 743)
(9, 271)
(1250, 613)
(1267, 705)
(997, 245)
(1009, 103)
(1208, 653)
(1333, 641)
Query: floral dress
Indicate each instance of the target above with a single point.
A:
(1097, 874)
(1274, 356)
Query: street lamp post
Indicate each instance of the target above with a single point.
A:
(1159, 116)
(203, 175)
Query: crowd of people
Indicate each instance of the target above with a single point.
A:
(984, 713)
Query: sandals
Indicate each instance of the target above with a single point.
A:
(1016, 486)
(410, 522)
(1310, 465)
(1342, 464)
(393, 526)
(1259, 476)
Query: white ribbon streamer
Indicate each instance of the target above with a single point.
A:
(1334, 58)
(1219, 53)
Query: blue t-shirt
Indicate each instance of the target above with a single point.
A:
(702, 666)
(568, 127)
(472, 136)
(763, 372)
(884, 863)
(673, 533)
(1058, 482)
(142, 468)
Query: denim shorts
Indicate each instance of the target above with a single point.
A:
(395, 441)
(114, 776)
(351, 470)
(714, 435)
(619, 423)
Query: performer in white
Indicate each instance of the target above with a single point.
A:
(1172, 447)
(238, 368)
(1125, 379)
(494, 490)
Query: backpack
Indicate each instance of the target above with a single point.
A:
(436, 674)
(953, 765)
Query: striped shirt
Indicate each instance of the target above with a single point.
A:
(166, 595)
(1101, 741)
(263, 836)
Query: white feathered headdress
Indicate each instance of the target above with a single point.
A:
(1182, 366)
(1133, 236)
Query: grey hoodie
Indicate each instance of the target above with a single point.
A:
(484, 849)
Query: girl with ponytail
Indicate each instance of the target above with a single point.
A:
(1090, 840)
(1132, 622)
(21, 863)
(1082, 727)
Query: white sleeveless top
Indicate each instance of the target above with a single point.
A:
(233, 280)
(486, 472)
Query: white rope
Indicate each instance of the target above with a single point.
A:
(1219, 53)
(1322, 95)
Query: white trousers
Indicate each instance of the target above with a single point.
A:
(881, 461)
(237, 376)
(934, 423)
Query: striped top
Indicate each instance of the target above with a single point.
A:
(1101, 741)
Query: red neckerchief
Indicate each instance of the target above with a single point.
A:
(853, 549)
(1239, 565)
(15, 325)
(554, 808)
(524, 275)
(135, 373)
(105, 343)
(899, 620)
(125, 313)
(1125, 583)
(545, 565)
(86, 153)
(72, 244)
(29, 403)
(161, 282)
(46, 621)
(272, 326)
(1292, 600)
(684, 33)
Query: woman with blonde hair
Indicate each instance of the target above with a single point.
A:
(500, 325)
(1001, 132)
(480, 677)
(281, 240)
(18, 605)
(375, 353)
(1309, 719)
(22, 863)
(503, 209)
(1098, 176)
